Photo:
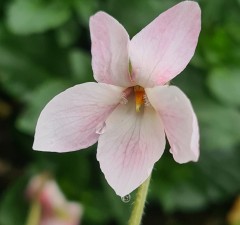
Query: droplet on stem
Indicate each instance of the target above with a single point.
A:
(126, 198)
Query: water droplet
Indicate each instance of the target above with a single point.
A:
(123, 100)
(126, 198)
(101, 128)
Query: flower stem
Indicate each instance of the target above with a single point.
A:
(34, 214)
(137, 212)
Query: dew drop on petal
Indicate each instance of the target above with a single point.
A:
(126, 198)
(101, 128)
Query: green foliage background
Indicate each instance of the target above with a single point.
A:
(45, 48)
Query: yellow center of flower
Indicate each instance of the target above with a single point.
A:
(139, 97)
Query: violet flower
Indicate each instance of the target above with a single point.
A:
(55, 209)
(131, 107)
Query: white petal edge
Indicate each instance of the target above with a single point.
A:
(131, 145)
(162, 50)
(179, 120)
(70, 120)
(110, 59)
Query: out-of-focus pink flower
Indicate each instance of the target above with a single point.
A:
(132, 107)
(55, 209)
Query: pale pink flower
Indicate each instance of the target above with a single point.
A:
(55, 208)
(132, 107)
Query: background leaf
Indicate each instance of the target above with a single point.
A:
(13, 205)
(36, 101)
(224, 84)
(31, 16)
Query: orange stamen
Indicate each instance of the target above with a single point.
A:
(139, 97)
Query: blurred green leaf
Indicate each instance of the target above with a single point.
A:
(80, 170)
(36, 101)
(96, 206)
(67, 34)
(33, 16)
(117, 208)
(13, 205)
(224, 84)
(80, 63)
(137, 14)
(218, 46)
(172, 184)
(218, 6)
(234, 29)
(193, 186)
(18, 73)
(219, 126)
(85, 9)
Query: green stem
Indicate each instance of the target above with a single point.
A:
(34, 214)
(137, 212)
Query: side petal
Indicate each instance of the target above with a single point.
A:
(70, 120)
(110, 60)
(163, 49)
(179, 120)
(131, 145)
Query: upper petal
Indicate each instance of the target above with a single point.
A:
(130, 146)
(70, 120)
(110, 60)
(179, 120)
(162, 49)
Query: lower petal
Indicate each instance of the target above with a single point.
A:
(132, 143)
(70, 120)
(179, 120)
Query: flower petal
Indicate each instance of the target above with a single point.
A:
(69, 213)
(179, 120)
(69, 121)
(132, 143)
(163, 48)
(110, 60)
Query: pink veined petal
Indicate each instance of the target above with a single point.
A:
(130, 146)
(110, 60)
(70, 120)
(163, 49)
(179, 120)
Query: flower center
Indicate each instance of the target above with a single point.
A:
(139, 97)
